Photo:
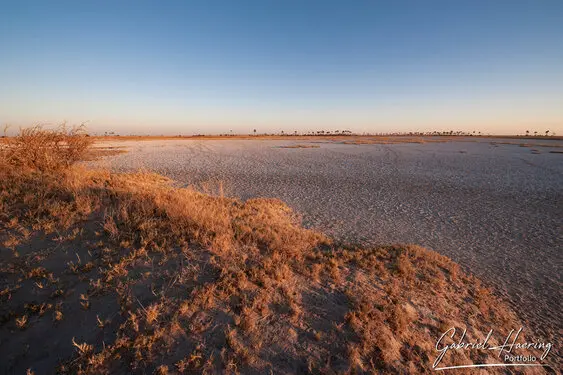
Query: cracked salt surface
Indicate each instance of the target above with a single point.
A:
(496, 209)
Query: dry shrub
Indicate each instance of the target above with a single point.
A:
(46, 149)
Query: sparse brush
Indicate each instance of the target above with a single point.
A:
(57, 316)
(152, 312)
(21, 322)
(42, 149)
(83, 348)
(162, 370)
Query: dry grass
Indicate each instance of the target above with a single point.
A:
(152, 278)
(98, 152)
(46, 150)
(301, 146)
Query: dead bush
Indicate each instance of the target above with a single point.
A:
(42, 149)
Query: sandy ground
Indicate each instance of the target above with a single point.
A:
(497, 209)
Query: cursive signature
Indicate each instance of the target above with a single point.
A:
(511, 343)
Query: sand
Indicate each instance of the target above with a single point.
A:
(495, 208)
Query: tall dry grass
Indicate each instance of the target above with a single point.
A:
(43, 149)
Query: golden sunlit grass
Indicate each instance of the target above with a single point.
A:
(46, 150)
(99, 151)
(211, 284)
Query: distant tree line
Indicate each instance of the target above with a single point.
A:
(435, 133)
(547, 133)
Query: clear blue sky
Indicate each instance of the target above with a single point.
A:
(169, 67)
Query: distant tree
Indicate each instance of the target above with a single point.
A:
(527, 133)
(254, 131)
(535, 134)
(546, 133)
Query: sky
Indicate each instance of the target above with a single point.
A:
(207, 67)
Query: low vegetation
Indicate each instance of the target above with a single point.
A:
(301, 146)
(46, 150)
(104, 273)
